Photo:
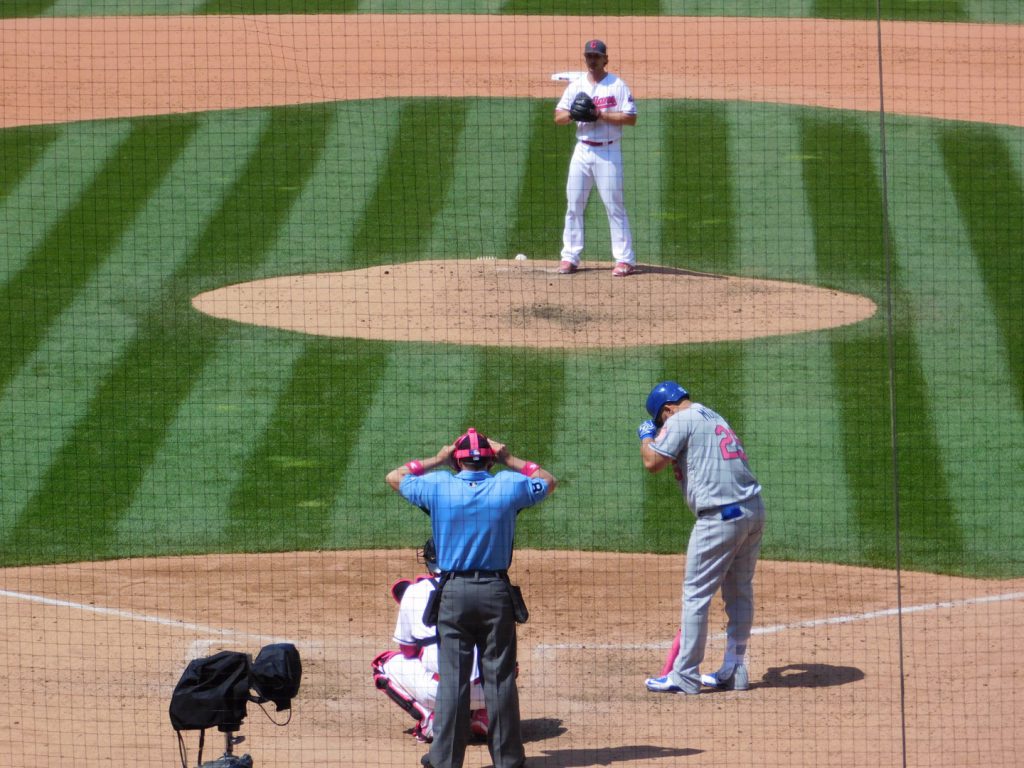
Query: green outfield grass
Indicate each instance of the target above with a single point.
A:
(1001, 11)
(131, 425)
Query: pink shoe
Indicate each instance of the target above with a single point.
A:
(622, 269)
(567, 267)
(479, 723)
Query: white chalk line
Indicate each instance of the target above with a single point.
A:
(117, 613)
(807, 624)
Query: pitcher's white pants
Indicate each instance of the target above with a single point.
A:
(601, 166)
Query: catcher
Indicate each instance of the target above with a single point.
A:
(600, 104)
(409, 676)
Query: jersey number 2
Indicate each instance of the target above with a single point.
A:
(729, 445)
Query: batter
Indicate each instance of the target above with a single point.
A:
(714, 477)
(597, 159)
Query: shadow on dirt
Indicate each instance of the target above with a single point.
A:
(808, 676)
(578, 758)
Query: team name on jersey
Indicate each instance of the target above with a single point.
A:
(605, 102)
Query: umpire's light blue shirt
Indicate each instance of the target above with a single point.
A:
(473, 514)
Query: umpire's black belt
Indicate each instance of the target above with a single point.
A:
(478, 574)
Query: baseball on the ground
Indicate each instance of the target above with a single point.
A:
(520, 257)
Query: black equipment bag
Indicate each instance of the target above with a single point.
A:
(212, 691)
(276, 674)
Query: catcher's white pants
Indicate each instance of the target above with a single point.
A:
(601, 166)
(721, 553)
(414, 678)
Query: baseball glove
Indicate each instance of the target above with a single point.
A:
(582, 109)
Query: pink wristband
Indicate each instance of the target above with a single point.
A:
(415, 467)
(529, 468)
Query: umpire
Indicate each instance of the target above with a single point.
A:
(473, 517)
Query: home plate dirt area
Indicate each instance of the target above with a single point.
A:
(95, 649)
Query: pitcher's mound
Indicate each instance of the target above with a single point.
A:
(528, 304)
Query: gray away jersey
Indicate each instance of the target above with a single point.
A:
(708, 458)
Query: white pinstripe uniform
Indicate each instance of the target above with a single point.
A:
(597, 159)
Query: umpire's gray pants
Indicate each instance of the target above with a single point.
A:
(476, 612)
(721, 553)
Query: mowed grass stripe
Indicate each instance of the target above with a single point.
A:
(698, 203)
(280, 6)
(20, 149)
(225, 417)
(283, 498)
(990, 198)
(517, 397)
(59, 177)
(909, 10)
(961, 351)
(846, 204)
(773, 227)
(791, 415)
(643, 159)
(595, 453)
(411, 189)
(997, 11)
(430, 384)
(844, 200)
(479, 208)
(540, 199)
(54, 388)
(753, 8)
(319, 233)
(91, 483)
(584, 8)
(431, 6)
(13, 9)
(181, 503)
(123, 7)
(72, 252)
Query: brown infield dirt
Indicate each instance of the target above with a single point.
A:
(93, 650)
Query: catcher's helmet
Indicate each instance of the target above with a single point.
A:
(664, 393)
(473, 446)
(428, 555)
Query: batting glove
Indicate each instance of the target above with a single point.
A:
(647, 429)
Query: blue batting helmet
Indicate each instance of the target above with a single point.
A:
(664, 393)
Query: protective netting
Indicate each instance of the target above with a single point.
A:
(255, 255)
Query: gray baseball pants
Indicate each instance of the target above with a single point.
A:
(721, 554)
(476, 612)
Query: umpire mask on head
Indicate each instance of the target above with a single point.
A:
(474, 450)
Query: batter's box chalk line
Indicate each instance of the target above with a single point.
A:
(549, 649)
(208, 637)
